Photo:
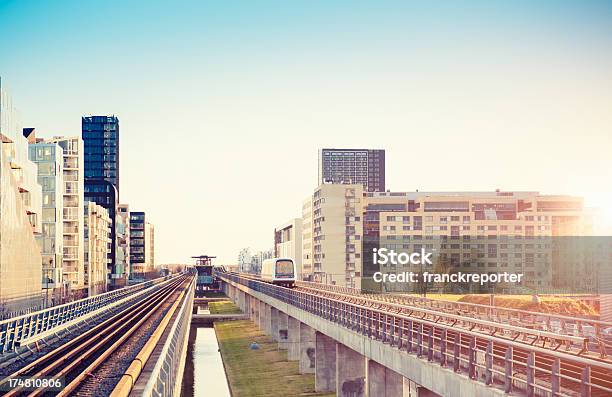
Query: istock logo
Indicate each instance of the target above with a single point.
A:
(383, 256)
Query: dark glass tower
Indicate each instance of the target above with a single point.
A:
(101, 139)
(101, 153)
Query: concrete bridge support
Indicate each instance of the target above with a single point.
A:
(293, 339)
(325, 363)
(384, 382)
(283, 331)
(275, 320)
(307, 349)
(350, 372)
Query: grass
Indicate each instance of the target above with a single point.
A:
(262, 372)
(223, 307)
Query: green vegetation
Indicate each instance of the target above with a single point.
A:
(261, 372)
(223, 307)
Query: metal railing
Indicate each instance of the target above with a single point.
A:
(163, 380)
(557, 323)
(508, 364)
(16, 329)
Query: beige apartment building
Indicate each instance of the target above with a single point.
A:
(73, 266)
(337, 229)
(475, 232)
(288, 243)
(149, 237)
(307, 270)
(97, 240)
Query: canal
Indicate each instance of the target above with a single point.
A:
(204, 372)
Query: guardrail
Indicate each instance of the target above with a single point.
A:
(507, 364)
(27, 326)
(562, 324)
(164, 380)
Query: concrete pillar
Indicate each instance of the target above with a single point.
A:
(350, 372)
(283, 331)
(261, 316)
(383, 381)
(268, 324)
(275, 323)
(293, 340)
(325, 363)
(307, 349)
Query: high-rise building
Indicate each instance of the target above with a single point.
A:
(365, 167)
(97, 241)
(104, 193)
(20, 216)
(336, 234)
(149, 247)
(307, 239)
(142, 246)
(101, 147)
(122, 229)
(288, 243)
(49, 158)
(72, 214)
(101, 140)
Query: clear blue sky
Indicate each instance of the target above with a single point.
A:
(223, 104)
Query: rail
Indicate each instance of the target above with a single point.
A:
(165, 377)
(27, 326)
(508, 364)
(551, 322)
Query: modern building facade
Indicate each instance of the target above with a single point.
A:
(49, 157)
(307, 239)
(473, 232)
(337, 228)
(353, 166)
(122, 229)
(149, 247)
(104, 193)
(142, 246)
(73, 266)
(20, 216)
(288, 243)
(101, 142)
(101, 145)
(97, 239)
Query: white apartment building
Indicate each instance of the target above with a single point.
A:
(96, 247)
(73, 256)
(337, 229)
(288, 243)
(50, 161)
(20, 216)
(307, 239)
(149, 238)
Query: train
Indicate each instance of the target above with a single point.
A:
(279, 271)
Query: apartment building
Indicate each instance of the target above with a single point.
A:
(73, 266)
(288, 243)
(307, 272)
(479, 232)
(20, 216)
(353, 166)
(49, 158)
(337, 228)
(97, 239)
(142, 246)
(122, 261)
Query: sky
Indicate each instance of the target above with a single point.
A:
(223, 105)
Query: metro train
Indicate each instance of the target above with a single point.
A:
(279, 271)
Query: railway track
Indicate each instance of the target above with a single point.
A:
(81, 356)
(542, 361)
